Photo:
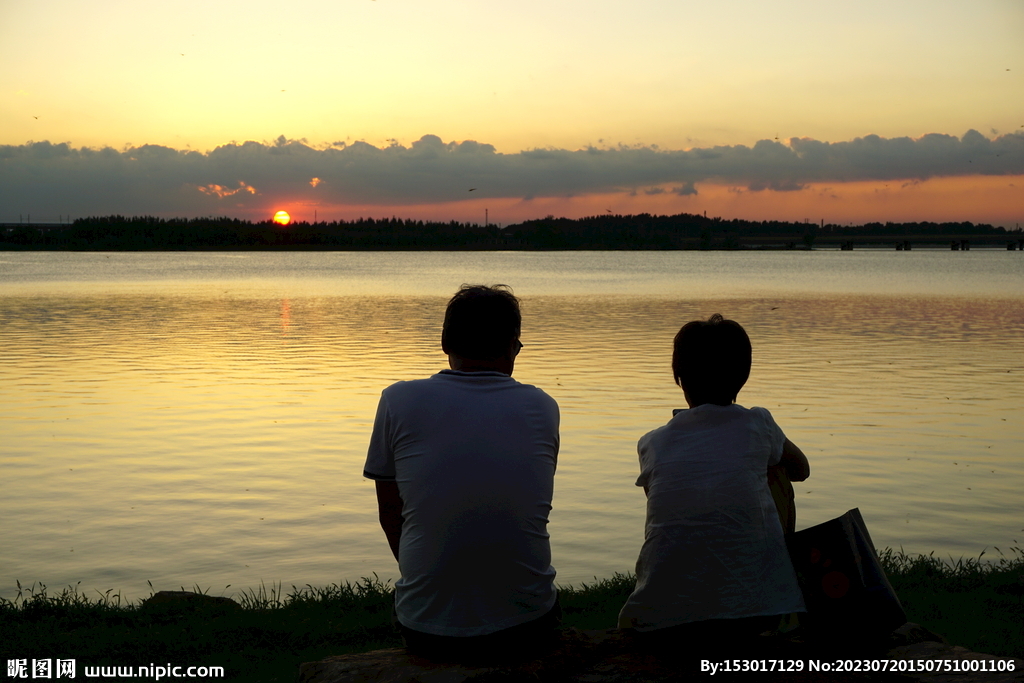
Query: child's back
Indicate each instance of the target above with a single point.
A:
(713, 545)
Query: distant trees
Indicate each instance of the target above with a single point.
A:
(611, 231)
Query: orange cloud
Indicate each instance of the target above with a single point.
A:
(220, 191)
(978, 199)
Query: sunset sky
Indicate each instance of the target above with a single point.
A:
(847, 112)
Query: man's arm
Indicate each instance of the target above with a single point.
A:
(795, 462)
(389, 507)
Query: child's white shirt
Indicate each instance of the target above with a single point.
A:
(713, 545)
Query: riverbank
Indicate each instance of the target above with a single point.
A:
(975, 603)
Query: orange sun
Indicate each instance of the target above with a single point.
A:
(282, 218)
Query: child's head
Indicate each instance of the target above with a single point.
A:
(711, 360)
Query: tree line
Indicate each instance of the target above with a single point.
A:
(611, 232)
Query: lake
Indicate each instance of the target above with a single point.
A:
(202, 418)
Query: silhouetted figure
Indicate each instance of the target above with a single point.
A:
(464, 463)
(714, 565)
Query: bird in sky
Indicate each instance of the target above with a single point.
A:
(471, 189)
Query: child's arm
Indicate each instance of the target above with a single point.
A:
(795, 462)
(792, 467)
(782, 493)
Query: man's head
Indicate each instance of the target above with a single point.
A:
(711, 360)
(481, 323)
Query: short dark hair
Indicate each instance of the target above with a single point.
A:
(711, 359)
(480, 322)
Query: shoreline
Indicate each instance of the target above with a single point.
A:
(973, 603)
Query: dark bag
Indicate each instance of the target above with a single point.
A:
(844, 586)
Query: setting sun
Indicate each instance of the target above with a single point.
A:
(282, 218)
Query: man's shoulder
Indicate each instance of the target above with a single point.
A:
(528, 394)
(451, 381)
(532, 390)
(406, 385)
(402, 387)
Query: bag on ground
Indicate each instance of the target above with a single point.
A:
(844, 586)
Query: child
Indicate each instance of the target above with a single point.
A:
(714, 563)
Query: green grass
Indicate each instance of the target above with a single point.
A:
(264, 641)
(975, 603)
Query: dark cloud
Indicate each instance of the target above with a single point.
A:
(776, 185)
(685, 190)
(45, 178)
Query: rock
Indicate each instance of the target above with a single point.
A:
(613, 656)
(178, 602)
(385, 666)
(911, 633)
(578, 656)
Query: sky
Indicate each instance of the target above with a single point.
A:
(445, 109)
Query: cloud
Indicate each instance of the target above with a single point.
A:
(221, 192)
(776, 185)
(42, 177)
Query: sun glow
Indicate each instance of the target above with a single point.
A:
(282, 218)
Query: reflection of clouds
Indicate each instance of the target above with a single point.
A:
(151, 178)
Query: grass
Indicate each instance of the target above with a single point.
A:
(975, 603)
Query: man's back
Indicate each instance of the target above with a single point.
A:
(473, 455)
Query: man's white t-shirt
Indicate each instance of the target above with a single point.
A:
(713, 545)
(474, 457)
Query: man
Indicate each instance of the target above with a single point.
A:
(464, 463)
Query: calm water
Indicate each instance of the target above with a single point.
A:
(203, 418)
